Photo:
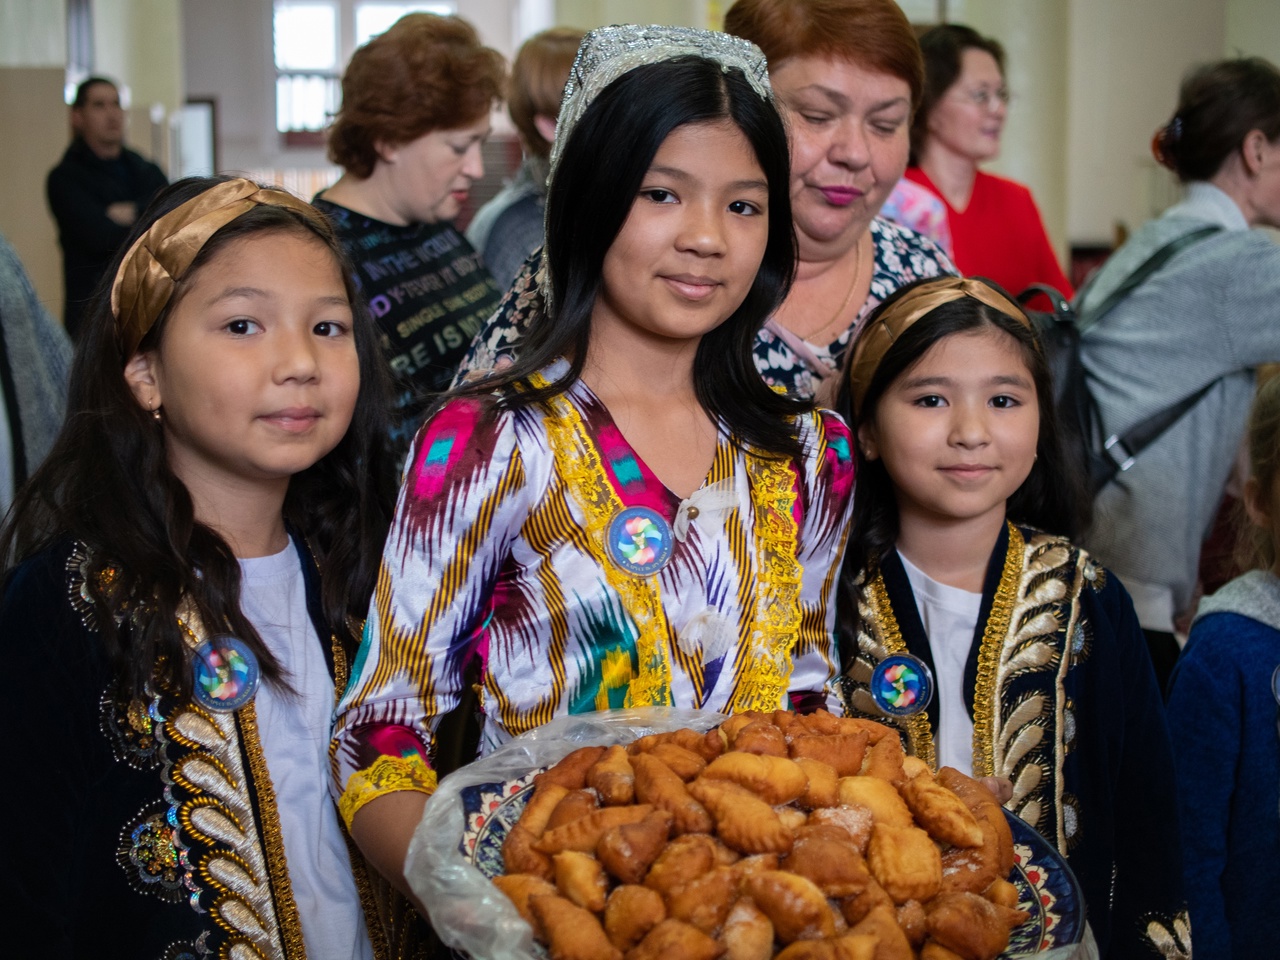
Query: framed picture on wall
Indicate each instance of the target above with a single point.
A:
(197, 153)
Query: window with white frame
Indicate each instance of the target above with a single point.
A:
(313, 40)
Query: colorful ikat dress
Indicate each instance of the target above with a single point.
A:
(538, 541)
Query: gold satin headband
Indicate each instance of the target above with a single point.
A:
(160, 258)
(880, 335)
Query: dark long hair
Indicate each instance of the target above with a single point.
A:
(1052, 498)
(594, 185)
(107, 483)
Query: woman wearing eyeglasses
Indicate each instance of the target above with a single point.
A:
(995, 228)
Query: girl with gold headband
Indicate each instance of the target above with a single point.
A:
(972, 622)
(628, 515)
(176, 648)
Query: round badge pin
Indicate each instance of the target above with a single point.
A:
(1275, 684)
(225, 674)
(902, 685)
(639, 541)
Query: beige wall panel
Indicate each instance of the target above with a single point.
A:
(31, 103)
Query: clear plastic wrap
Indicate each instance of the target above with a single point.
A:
(468, 912)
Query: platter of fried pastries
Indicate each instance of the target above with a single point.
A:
(769, 836)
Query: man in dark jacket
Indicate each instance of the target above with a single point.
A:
(96, 192)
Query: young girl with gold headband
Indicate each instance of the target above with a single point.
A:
(998, 648)
(627, 516)
(178, 647)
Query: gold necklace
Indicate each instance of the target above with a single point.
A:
(819, 334)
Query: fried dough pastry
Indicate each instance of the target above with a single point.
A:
(913, 767)
(855, 909)
(519, 887)
(820, 723)
(843, 752)
(705, 901)
(707, 745)
(986, 810)
(849, 947)
(684, 763)
(612, 778)
(855, 820)
(571, 772)
(833, 864)
(757, 863)
(657, 784)
(627, 851)
(581, 879)
(775, 780)
(761, 737)
(742, 820)
(791, 818)
(675, 940)
(941, 812)
(971, 926)
(794, 905)
(882, 924)
(971, 869)
(571, 932)
(519, 856)
(884, 760)
(914, 922)
(747, 933)
(546, 797)
(684, 858)
(822, 788)
(584, 833)
(630, 913)
(1002, 892)
(905, 861)
(738, 721)
(575, 805)
(932, 950)
(879, 796)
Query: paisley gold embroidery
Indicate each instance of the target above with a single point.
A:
(1170, 937)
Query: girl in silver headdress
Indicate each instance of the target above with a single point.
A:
(628, 516)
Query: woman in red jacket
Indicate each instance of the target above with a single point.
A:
(996, 230)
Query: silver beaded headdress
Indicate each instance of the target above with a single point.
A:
(607, 53)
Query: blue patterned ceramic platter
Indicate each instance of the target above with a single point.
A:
(1047, 889)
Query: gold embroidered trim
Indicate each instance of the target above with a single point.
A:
(993, 640)
(765, 670)
(917, 726)
(1170, 937)
(272, 836)
(275, 907)
(578, 461)
(385, 775)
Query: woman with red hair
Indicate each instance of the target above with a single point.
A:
(415, 112)
(848, 77)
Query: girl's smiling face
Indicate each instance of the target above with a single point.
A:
(691, 246)
(256, 372)
(957, 430)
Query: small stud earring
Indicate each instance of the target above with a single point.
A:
(155, 413)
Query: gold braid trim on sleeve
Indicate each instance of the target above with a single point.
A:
(385, 775)
(994, 636)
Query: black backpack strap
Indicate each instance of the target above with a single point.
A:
(1150, 266)
(1120, 450)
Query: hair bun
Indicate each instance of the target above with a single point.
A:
(1165, 139)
